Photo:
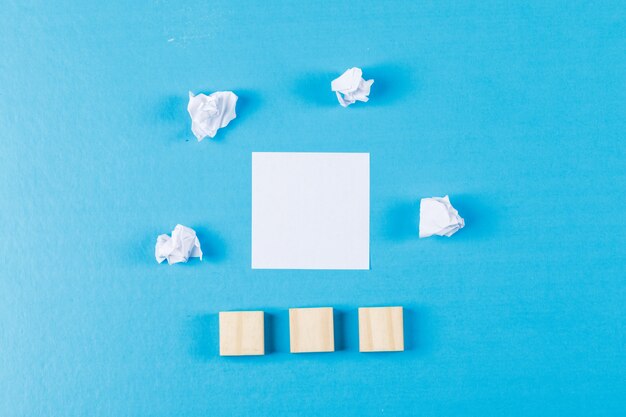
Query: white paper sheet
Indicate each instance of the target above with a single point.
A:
(351, 86)
(438, 217)
(210, 113)
(310, 210)
(182, 245)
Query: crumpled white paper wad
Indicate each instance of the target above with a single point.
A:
(210, 113)
(351, 86)
(182, 245)
(438, 217)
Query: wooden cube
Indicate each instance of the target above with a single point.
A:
(381, 329)
(311, 330)
(242, 333)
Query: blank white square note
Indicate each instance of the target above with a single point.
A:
(310, 210)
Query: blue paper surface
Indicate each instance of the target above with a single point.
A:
(514, 109)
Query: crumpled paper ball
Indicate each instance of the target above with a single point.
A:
(351, 86)
(182, 245)
(438, 217)
(210, 113)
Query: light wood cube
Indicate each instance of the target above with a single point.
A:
(381, 329)
(311, 330)
(242, 333)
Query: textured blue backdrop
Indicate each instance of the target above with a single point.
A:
(516, 110)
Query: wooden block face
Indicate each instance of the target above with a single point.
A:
(242, 333)
(311, 330)
(381, 329)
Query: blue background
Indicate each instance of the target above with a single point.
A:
(516, 110)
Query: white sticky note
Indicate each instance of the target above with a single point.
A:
(310, 210)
